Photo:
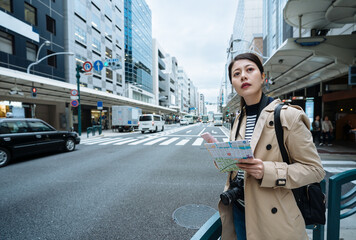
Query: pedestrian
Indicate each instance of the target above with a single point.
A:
(316, 129)
(327, 130)
(267, 209)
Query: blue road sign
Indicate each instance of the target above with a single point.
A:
(98, 65)
(74, 103)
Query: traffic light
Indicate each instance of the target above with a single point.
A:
(34, 92)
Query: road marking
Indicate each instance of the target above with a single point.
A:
(155, 141)
(114, 141)
(189, 131)
(183, 142)
(198, 142)
(127, 141)
(142, 141)
(337, 169)
(97, 141)
(201, 132)
(169, 141)
(214, 132)
(225, 139)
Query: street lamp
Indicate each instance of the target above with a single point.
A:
(47, 43)
(230, 49)
(51, 55)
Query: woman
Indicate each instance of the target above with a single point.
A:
(327, 129)
(316, 130)
(268, 209)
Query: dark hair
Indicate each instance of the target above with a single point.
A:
(249, 56)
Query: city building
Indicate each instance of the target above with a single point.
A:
(183, 81)
(30, 31)
(94, 31)
(202, 107)
(138, 49)
(246, 37)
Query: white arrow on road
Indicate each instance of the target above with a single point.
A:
(213, 132)
(189, 131)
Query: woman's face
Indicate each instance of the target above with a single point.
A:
(247, 79)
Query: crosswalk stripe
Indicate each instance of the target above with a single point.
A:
(114, 141)
(97, 141)
(142, 141)
(123, 142)
(198, 142)
(155, 141)
(169, 141)
(183, 142)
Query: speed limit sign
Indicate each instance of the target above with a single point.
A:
(87, 66)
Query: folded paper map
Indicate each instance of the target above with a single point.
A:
(227, 154)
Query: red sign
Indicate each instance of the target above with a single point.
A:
(74, 103)
(74, 92)
(87, 66)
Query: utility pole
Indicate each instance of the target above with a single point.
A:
(79, 70)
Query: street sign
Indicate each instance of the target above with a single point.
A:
(98, 65)
(87, 66)
(74, 92)
(114, 63)
(74, 103)
(74, 97)
(99, 105)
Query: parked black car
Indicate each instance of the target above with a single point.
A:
(25, 136)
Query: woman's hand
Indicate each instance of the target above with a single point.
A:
(252, 166)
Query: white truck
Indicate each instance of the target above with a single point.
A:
(125, 118)
(218, 119)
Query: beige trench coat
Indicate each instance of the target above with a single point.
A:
(271, 211)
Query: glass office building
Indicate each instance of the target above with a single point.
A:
(138, 45)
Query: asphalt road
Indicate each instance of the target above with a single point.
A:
(107, 191)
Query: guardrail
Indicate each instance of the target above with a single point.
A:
(93, 129)
(335, 204)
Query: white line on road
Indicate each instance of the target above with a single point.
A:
(214, 132)
(127, 141)
(169, 141)
(198, 142)
(97, 141)
(155, 141)
(114, 141)
(201, 132)
(183, 142)
(143, 140)
(189, 131)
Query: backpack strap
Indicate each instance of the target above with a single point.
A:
(279, 132)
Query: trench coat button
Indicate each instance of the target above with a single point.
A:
(274, 210)
(268, 147)
(271, 123)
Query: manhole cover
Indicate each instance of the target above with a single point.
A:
(192, 216)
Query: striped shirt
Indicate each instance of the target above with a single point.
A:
(251, 112)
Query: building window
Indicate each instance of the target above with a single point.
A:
(108, 32)
(6, 43)
(118, 79)
(52, 61)
(30, 14)
(79, 60)
(80, 35)
(80, 9)
(6, 5)
(51, 24)
(108, 73)
(95, 22)
(96, 45)
(31, 51)
(108, 53)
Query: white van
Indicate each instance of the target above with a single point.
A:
(150, 122)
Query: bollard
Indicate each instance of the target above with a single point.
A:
(89, 129)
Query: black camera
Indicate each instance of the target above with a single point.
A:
(236, 191)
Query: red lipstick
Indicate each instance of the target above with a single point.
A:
(245, 85)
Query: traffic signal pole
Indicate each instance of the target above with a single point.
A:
(79, 69)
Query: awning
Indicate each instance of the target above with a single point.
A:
(303, 62)
(320, 14)
(57, 91)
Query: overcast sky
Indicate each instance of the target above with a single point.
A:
(197, 33)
